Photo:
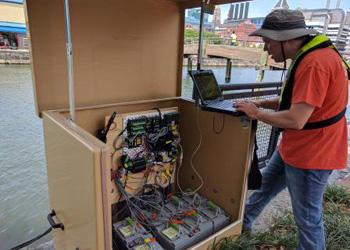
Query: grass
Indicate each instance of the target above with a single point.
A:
(337, 217)
(337, 194)
(282, 234)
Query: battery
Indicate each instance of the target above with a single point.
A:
(173, 237)
(131, 235)
(185, 226)
(144, 242)
(199, 226)
(210, 210)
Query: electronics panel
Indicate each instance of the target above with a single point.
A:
(148, 212)
(146, 149)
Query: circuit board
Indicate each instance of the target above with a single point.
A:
(145, 148)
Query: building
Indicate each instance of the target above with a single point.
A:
(12, 25)
(243, 30)
(257, 21)
(335, 23)
(217, 17)
(193, 17)
(237, 14)
(346, 52)
(281, 4)
(13, 34)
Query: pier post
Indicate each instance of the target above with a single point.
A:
(189, 63)
(260, 75)
(228, 70)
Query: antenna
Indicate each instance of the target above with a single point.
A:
(69, 50)
(200, 40)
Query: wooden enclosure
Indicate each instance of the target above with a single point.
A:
(127, 58)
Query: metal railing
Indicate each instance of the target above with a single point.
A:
(266, 135)
(228, 70)
(220, 41)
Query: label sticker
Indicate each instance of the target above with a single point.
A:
(126, 231)
(142, 247)
(170, 232)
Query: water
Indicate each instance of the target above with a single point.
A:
(23, 181)
(24, 201)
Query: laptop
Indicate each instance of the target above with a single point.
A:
(210, 93)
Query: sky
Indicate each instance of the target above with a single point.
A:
(260, 8)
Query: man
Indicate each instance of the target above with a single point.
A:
(233, 38)
(311, 113)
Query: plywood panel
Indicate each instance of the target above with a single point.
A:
(46, 27)
(75, 187)
(221, 159)
(122, 51)
(93, 118)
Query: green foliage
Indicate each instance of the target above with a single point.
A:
(337, 194)
(192, 36)
(337, 217)
(244, 241)
(282, 234)
(284, 231)
(337, 226)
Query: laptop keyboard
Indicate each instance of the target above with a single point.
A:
(225, 104)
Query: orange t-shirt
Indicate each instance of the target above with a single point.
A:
(320, 81)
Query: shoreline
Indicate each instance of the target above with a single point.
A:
(23, 57)
(12, 56)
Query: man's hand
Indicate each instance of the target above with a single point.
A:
(248, 107)
(293, 118)
(265, 103)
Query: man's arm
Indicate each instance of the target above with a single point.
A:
(267, 103)
(294, 118)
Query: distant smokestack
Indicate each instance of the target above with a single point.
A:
(328, 4)
(338, 4)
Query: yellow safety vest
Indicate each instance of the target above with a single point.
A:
(318, 42)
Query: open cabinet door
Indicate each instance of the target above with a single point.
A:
(74, 167)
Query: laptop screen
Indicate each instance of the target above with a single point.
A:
(206, 85)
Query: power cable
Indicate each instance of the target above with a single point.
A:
(53, 225)
(191, 162)
(32, 240)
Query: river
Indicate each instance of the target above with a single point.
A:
(24, 202)
(23, 182)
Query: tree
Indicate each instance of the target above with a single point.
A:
(192, 35)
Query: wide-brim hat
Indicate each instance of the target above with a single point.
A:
(282, 25)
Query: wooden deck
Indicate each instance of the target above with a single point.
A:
(244, 54)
